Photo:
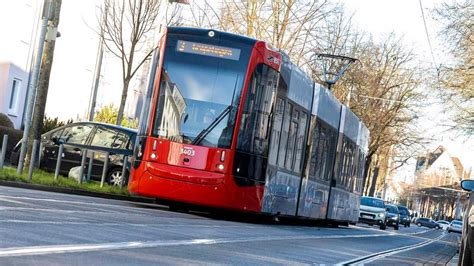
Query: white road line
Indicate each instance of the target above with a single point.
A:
(95, 223)
(50, 210)
(390, 252)
(55, 249)
(14, 201)
(137, 211)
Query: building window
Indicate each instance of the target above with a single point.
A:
(12, 105)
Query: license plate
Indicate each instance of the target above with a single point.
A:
(367, 216)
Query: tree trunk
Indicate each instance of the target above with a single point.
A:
(374, 181)
(126, 83)
(43, 82)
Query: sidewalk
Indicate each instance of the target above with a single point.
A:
(454, 260)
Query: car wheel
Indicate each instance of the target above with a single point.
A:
(419, 224)
(396, 227)
(383, 227)
(115, 176)
(437, 227)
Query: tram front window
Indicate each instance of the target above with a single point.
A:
(200, 89)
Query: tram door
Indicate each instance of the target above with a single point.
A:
(285, 158)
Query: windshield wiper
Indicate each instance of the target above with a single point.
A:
(211, 126)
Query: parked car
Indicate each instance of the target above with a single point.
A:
(455, 226)
(99, 137)
(427, 222)
(404, 215)
(373, 212)
(443, 224)
(393, 216)
(466, 251)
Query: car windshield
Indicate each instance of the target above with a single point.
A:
(200, 89)
(402, 211)
(392, 209)
(442, 222)
(372, 202)
(457, 223)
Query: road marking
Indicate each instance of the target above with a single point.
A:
(14, 201)
(138, 211)
(390, 252)
(55, 249)
(49, 210)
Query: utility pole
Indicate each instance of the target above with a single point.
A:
(45, 71)
(97, 70)
(32, 86)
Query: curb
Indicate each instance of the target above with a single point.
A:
(75, 192)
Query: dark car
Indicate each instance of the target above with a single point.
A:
(98, 137)
(466, 252)
(404, 215)
(427, 222)
(393, 216)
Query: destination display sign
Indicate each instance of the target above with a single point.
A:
(208, 50)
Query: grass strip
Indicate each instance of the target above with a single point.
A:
(47, 179)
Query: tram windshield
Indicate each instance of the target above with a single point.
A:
(200, 89)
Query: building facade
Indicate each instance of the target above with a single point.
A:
(13, 89)
(437, 178)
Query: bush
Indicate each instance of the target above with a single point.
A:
(14, 135)
(109, 113)
(5, 121)
(52, 123)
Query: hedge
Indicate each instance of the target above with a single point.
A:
(14, 135)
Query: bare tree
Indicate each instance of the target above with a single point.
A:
(382, 89)
(458, 30)
(286, 24)
(124, 27)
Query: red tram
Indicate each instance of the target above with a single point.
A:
(232, 123)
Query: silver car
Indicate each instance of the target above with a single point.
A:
(372, 212)
(455, 226)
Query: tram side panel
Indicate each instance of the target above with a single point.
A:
(342, 201)
(322, 140)
(288, 138)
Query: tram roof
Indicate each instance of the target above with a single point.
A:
(217, 34)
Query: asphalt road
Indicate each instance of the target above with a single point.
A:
(42, 228)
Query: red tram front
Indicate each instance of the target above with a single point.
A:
(209, 100)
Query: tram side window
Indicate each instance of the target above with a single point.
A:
(360, 172)
(300, 141)
(324, 142)
(291, 141)
(284, 135)
(346, 163)
(275, 137)
(253, 132)
(313, 157)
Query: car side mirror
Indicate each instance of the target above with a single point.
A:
(467, 185)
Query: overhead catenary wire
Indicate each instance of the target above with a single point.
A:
(437, 68)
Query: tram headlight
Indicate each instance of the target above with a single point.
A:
(220, 167)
